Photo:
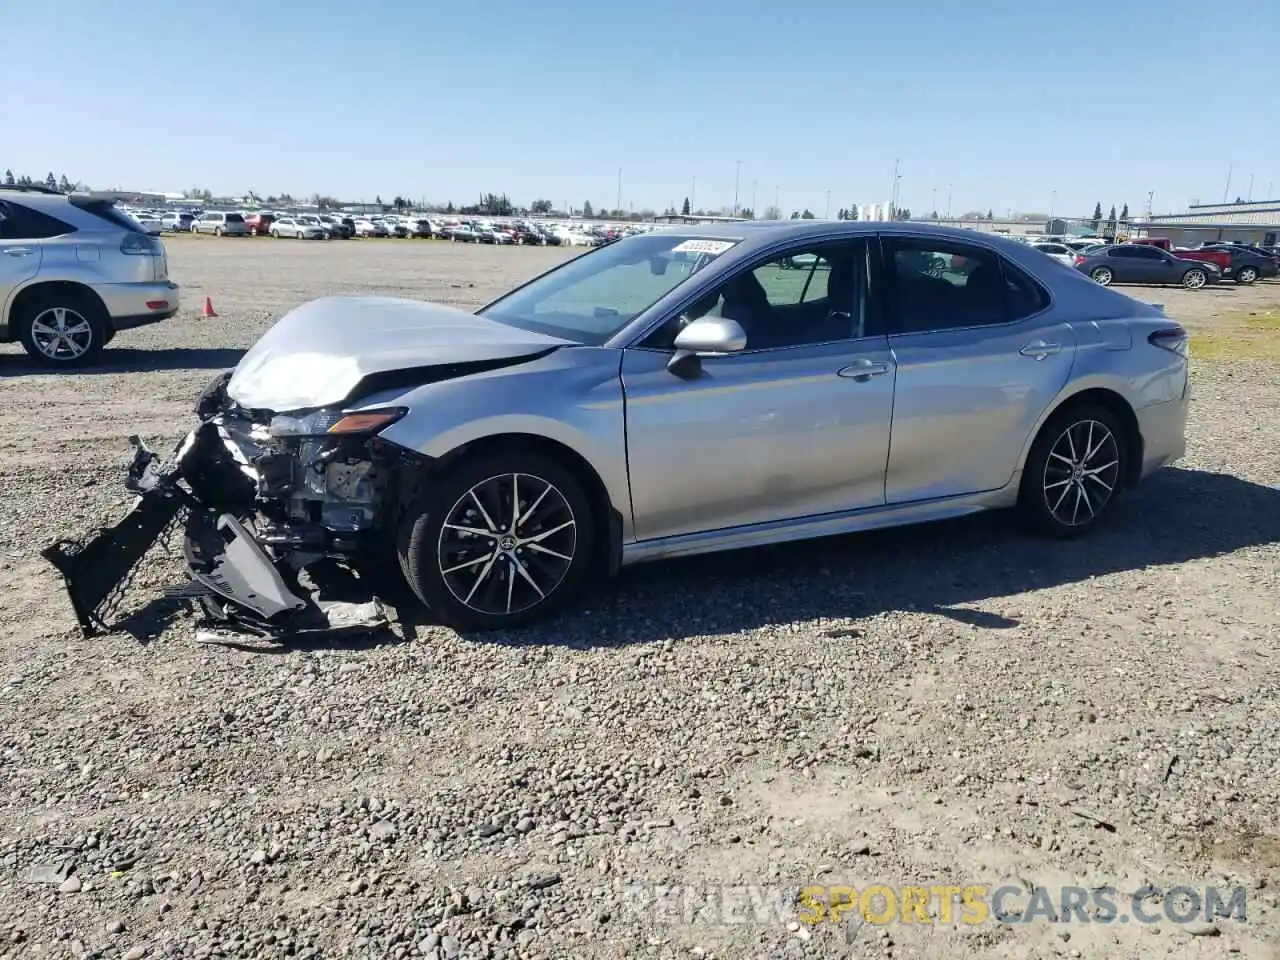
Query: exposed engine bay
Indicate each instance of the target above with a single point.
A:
(259, 497)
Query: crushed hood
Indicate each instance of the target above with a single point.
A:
(316, 355)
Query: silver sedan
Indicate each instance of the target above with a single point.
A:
(681, 392)
(298, 228)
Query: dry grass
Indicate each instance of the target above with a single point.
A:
(1243, 335)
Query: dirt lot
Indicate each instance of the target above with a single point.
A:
(951, 705)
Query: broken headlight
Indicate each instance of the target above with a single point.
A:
(335, 423)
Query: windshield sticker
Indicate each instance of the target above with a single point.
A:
(713, 247)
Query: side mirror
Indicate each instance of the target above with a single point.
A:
(706, 337)
(714, 335)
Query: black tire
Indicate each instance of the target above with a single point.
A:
(1195, 279)
(421, 547)
(217, 231)
(1246, 274)
(1046, 499)
(83, 306)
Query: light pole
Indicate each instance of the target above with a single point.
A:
(1053, 203)
(949, 201)
(933, 203)
(777, 209)
(693, 196)
(826, 215)
(753, 200)
(737, 180)
(893, 195)
(619, 204)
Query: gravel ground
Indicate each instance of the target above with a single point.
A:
(949, 705)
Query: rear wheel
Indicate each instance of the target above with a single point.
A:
(1246, 275)
(1102, 275)
(63, 329)
(1074, 471)
(1195, 278)
(498, 541)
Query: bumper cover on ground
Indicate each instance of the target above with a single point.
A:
(236, 583)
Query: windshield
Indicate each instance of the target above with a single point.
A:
(592, 297)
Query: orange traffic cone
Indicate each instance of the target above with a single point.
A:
(208, 310)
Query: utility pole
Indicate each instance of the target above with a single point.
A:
(737, 180)
(619, 205)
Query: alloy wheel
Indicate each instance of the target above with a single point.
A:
(507, 543)
(1081, 473)
(1102, 276)
(1195, 279)
(61, 333)
(1247, 275)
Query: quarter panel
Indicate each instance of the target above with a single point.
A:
(572, 396)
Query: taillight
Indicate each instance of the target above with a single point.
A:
(1173, 339)
(1079, 259)
(141, 245)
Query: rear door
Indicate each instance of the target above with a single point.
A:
(21, 230)
(979, 355)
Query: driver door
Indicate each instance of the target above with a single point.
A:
(796, 425)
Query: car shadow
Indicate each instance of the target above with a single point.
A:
(129, 360)
(1175, 516)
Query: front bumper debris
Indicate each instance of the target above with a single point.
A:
(235, 582)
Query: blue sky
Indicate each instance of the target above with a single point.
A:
(1006, 101)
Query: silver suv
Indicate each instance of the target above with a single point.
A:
(74, 272)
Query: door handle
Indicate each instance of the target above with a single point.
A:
(1039, 349)
(19, 251)
(863, 370)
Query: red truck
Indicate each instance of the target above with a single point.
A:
(1219, 258)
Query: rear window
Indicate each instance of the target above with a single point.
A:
(234, 218)
(22, 223)
(106, 210)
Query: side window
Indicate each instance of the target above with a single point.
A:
(22, 223)
(936, 285)
(810, 295)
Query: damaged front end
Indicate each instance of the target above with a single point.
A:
(259, 496)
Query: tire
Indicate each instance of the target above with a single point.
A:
(1046, 499)
(275, 234)
(78, 312)
(1195, 278)
(1246, 275)
(437, 558)
(217, 231)
(1102, 276)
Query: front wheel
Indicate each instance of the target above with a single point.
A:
(1074, 471)
(1246, 275)
(1194, 279)
(498, 541)
(1103, 276)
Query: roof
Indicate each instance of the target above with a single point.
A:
(766, 232)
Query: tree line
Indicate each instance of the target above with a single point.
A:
(61, 184)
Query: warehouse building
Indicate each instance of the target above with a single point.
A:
(1257, 222)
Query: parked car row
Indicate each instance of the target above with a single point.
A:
(333, 226)
(1150, 263)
